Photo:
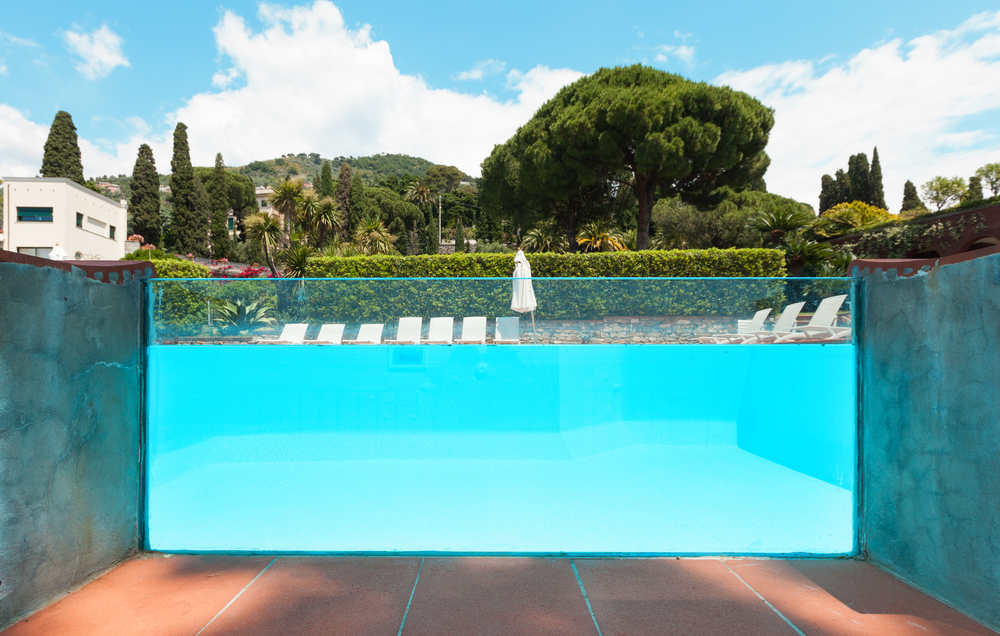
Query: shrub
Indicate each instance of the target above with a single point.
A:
(176, 268)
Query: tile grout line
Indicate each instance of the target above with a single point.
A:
(412, 592)
(247, 587)
(583, 590)
(766, 602)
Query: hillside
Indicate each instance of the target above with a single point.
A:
(308, 166)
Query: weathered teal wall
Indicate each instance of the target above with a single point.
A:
(931, 436)
(69, 431)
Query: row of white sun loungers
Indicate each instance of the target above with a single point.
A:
(820, 327)
(440, 331)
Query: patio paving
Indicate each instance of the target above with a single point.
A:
(166, 595)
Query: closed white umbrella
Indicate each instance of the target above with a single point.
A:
(524, 294)
(58, 254)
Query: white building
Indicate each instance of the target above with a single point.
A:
(39, 214)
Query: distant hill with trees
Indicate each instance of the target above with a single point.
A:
(308, 167)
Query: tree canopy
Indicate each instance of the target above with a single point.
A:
(189, 227)
(144, 205)
(639, 128)
(61, 157)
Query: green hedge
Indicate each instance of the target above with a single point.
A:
(732, 263)
(174, 268)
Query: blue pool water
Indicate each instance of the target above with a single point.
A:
(557, 448)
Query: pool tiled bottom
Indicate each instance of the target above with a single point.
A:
(213, 595)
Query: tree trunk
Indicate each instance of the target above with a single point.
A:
(645, 190)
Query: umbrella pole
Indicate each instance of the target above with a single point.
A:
(534, 336)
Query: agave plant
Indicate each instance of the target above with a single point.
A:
(244, 315)
(601, 236)
(296, 259)
(545, 237)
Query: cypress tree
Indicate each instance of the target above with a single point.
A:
(327, 187)
(859, 174)
(843, 190)
(343, 193)
(974, 192)
(184, 229)
(430, 239)
(911, 200)
(144, 205)
(62, 151)
(876, 191)
(202, 207)
(218, 196)
(459, 237)
(827, 193)
(358, 203)
(398, 228)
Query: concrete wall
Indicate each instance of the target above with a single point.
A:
(69, 431)
(931, 440)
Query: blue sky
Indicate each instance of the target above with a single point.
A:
(448, 80)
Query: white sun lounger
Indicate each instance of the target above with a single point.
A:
(408, 331)
(508, 331)
(821, 325)
(328, 334)
(754, 324)
(368, 334)
(782, 327)
(291, 333)
(473, 330)
(441, 331)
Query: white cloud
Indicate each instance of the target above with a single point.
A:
(21, 144)
(224, 79)
(3, 68)
(481, 69)
(100, 51)
(909, 99)
(682, 52)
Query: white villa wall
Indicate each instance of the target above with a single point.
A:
(92, 241)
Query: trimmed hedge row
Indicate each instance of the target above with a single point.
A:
(731, 263)
(176, 268)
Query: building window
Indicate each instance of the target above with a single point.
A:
(79, 220)
(112, 235)
(43, 215)
(40, 252)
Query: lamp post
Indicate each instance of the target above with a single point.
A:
(439, 221)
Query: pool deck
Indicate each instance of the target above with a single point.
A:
(211, 595)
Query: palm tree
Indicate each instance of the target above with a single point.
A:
(285, 198)
(776, 223)
(372, 237)
(264, 231)
(601, 236)
(296, 260)
(804, 256)
(420, 191)
(328, 217)
(547, 236)
(306, 209)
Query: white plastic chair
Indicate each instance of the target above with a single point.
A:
(821, 326)
(782, 327)
(328, 334)
(473, 330)
(754, 324)
(508, 331)
(441, 331)
(408, 331)
(368, 335)
(291, 333)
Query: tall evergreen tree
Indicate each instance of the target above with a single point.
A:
(827, 193)
(202, 207)
(144, 205)
(398, 228)
(343, 193)
(358, 204)
(327, 187)
(974, 192)
(184, 228)
(859, 174)
(911, 200)
(843, 189)
(430, 239)
(218, 196)
(62, 151)
(876, 191)
(459, 237)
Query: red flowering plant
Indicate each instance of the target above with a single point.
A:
(136, 237)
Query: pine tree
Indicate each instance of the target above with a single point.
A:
(974, 192)
(489, 229)
(343, 193)
(358, 203)
(860, 176)
(184, 229)
(398, 228)
(459, 237)
(218, 196)
(827, 193)
(144, 205)
(327, 187)
(62, 151)
(911, 200)
(876, 191)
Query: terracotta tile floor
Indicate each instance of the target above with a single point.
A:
(216, 595)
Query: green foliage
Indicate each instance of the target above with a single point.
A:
(243, 314)
(727, 224)
(911, 201)
(61, 157)
(546, 236)
(848, 218)
(148, 255)
(974, 193)
(860, 183)
(875, 183)
(601, 236)
(459, 238)
(343, 193)
(265, 233)
(285, 198)
(445, 178)
(371, 237)
(860, 175)
(296, 259)
(188, 230)
(326, 187)
(359, 202)
(144, 203)
(218, 196)
(488, 247)
(178, 268)
(941, 191)
(990, 175)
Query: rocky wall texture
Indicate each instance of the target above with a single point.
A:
(931, 431)
(69, 431)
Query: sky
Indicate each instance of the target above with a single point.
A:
(447, 81)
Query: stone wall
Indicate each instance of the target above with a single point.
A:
(69, 431)
(931, 431)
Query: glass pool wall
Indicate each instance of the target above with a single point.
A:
(610, 429)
